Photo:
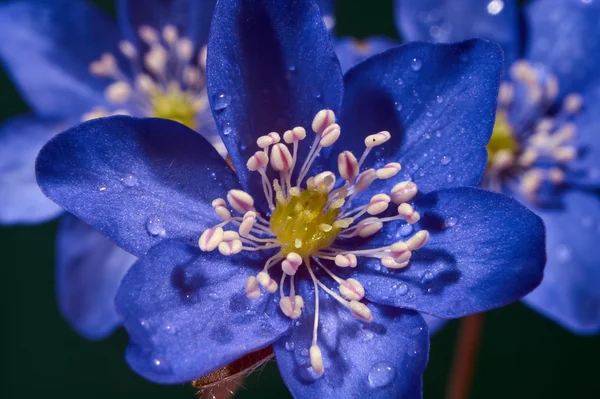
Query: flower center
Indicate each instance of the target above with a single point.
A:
(167, 81)
(531, 142)
(308, 225)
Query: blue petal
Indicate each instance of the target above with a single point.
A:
(569, 292)
(47, 46)
(382, 359)
(485, 250)
(190, 17)
(138, 181)
(565, 37)
(270, 68)
(437, 101)
(187, 313)
(89, 270)
(351, 51)
(21, 200)
(446, 21)
(435, 324)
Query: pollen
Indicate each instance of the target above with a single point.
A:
(175, 104)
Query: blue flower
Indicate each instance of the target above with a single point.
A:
(71, 63)
(329, 270)
(545, 149)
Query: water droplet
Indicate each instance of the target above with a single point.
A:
(438, 133)
(289, 345)
(427, 277)
(227, 129)
(400, 82)
(129, 181)
(291, 67)
(416, 64)
(155, 227)
(102, 188)
(439, 99)
(368, 335)
(159, 365)
(220, 101)
(398, 105)
(451, 221)
(495, 6)
(381, 374)
(406, 229)
(428, 114)
(213, 296)
(304, 352)
(402, 289)
(417, 331)
(170, 329)
(316, 93)
(445, 160)
(413, 349)
(449, 178)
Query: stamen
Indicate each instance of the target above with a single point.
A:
(403, 192)
(291, 263)
(240, 200)
(211, 238)
(251, 288)
(347, 166)
(267, 282)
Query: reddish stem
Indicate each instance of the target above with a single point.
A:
(465, 357)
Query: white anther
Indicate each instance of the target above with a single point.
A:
(247, 223)
(145, 83)
(232, 247)
(292, 309)
(281, 159)
(391, 263)
(324, 227)
(361, 311)
(502, 160)
(291, 263)
(531, 181)
(403, 192)
(191, 76)
(565, 154)
(185, 49)
(551, 87)
(230, 235)
(105, 66)
(389, 170)
(418, 240)
(573, 103)
(316, 359)
(210, 239)
(373, 140)
(169, 34)
(322, 120)
(398, 248)
(364, 180)
(556, 175)
(330, 135)
(118, 92)
(346, 260)
(506, 93)
(221, 209)
(352, 290)
(343, 223)
(97, 112)
(378, 204)
(347, 166)
(156, 59)
(267, 140)
(202, 56)
(251, 288)
(128, 49)
(408, 213)
(324, 179)
(296, 134)
(240, 200)
(267, 282)
(148, 34)
(257, 161)
(367, 227)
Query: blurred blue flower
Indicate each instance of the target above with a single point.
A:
(71, 63)
(545, 149)
(345, 321)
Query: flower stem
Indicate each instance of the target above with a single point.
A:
(465, 357)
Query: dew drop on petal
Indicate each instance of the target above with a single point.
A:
(563, 253)
(289, 345)
(445, 160)
(416, 64)
(220, 100)
(451, 221)
(398, 105)
(439, 99)
(402, 289)
(427, 276)
(413, 349)
(155, 227)
(129, 180)
(449, 178)
(227, 129)
(159, 365)
(381, 374)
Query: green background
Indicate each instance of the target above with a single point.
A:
(523, 355)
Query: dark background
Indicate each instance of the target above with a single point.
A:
(523, 355)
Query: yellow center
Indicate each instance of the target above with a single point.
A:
(176, 105)
(502, 138)
(301, 224)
